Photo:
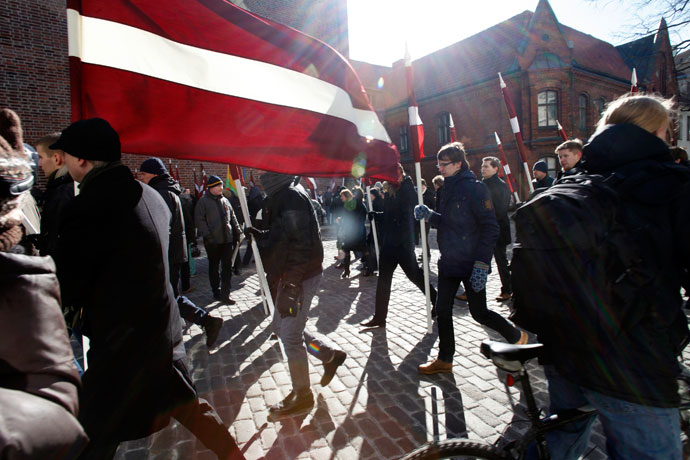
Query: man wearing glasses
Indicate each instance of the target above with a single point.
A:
(467, 234)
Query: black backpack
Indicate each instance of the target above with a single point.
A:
(578, 273)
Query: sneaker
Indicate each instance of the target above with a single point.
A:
(330, 367)
(294, 404)
(462, 297)
(373, 323)
(436, 367)
(212, 328)
(503, 297)
(523, 338)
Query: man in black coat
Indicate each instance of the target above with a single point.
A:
(112, 264)
(154, 173)
(397, 232)
(292, 252)
(500, 196)
(58, 193)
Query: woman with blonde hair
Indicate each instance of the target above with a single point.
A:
(630, 378)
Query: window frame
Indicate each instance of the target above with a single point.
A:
(549, 123)
(443, 128)
(404, 139)
(582, 111)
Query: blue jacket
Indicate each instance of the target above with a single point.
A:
(466, 223)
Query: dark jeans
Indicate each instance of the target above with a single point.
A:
(447, 287)
(191, 312)
(219, 267)
(503, 268)
(390, 259)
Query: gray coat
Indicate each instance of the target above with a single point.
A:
(215, 220)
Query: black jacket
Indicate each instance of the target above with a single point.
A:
(113, 264)
(500, 196)
(397, 223)
(466, 223)
(292, 250)
(641, 364)
(59, 192)
(170, 191)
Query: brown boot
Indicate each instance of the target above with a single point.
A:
(503, 297)
(436, 367)
(462, 297)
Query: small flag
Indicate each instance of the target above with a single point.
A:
(561, 131)
(633, 82)
(453, 135)
(416, 125)
(230, 182)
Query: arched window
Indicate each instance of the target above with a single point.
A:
(404, 139)
(444, 128)
(547, 108)
(582, 103)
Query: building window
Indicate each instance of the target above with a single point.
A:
(601, 105)
(444, 128)
(553, 165)
(582, 112)
(547, 103)
(404, 139)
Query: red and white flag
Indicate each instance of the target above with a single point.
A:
(561, 131)
(416, 125)
(506, 168)
(311, 184)
(633, 82)
(207, 80)
(515, 126)
(453, 134)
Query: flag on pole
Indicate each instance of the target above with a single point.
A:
(633, 82)
(269, 97)
(416, 126)
(252, 183)
(506, 168)
(515, 126)
(197, 187)
(177, 173)
(311, 184)
(561, 131)
(230, 182)
(453, 134)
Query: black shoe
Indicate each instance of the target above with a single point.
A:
(294, 404)
(433, 312)
(368, 273)
(330, 367)
(339, 265)
(224, 299)
(373, 323)
(346, 274)
(212, 329)
(236, 271)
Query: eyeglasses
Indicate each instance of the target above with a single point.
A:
(443, 164)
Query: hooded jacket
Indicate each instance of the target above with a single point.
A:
(170, 191)
(215, 220)
(640, 365)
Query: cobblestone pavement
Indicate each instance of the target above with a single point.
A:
(377, 406)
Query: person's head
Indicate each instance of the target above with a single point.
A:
(88, 144)
(345, 195)
(16, 176)
(151, 168)
(214, 185)
(374, 192)
(679, 154)
(651, 113)
(569, 153)
(358, 193)
(187, 191)
(451, 159)
(49, 160)
(401, 172)
(540, 169)
(490, 166)
(438, 182)
(423, 185)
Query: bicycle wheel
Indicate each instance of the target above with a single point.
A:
(461, 449)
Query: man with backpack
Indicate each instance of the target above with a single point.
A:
(596, 274)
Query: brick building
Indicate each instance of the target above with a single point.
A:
(553, 72)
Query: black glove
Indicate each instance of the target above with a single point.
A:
(289, 299)
(371, 215)
(254, 232)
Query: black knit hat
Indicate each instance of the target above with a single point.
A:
(90, 139)
(540, 166)
(153, 166)
(213, 181)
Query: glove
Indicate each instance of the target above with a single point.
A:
(480, 272)
(371, 215)
(422, 211)
(250, 232)
(289, 299)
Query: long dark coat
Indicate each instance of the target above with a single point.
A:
(113, 264)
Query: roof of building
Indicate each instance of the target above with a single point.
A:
(639, 54)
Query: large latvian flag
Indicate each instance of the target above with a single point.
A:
(204, 79)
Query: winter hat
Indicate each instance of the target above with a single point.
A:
(213, 181)
(540, 166)
(90, 139)
(272, 182)
(153, 166)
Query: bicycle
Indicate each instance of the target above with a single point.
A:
(512, 359)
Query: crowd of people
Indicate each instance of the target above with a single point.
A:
(137, 377)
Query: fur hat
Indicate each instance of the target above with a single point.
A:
(153, 166)
(213, 181)
(540, 166)
(16, 176)
(90, 139)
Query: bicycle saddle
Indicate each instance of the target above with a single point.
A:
(510, 357)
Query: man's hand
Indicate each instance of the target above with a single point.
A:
(289, 299)
(371, 215)
(250, 232)
(480, 272)
(422, 211)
